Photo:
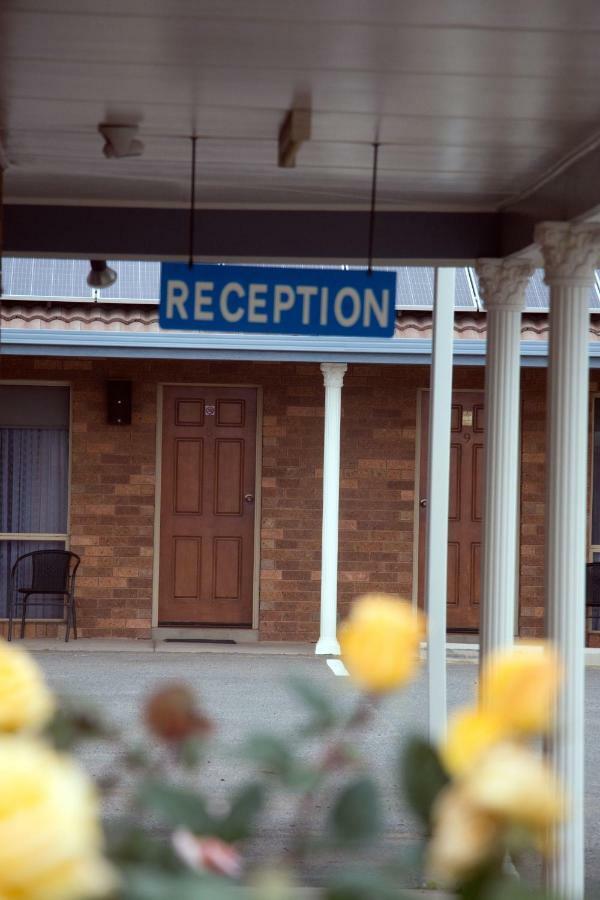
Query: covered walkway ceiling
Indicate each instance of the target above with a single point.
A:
(488, 116)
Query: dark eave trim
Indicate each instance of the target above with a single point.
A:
(249, 234)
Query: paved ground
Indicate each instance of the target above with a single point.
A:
(245, 693)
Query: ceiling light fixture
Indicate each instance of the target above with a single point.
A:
(100, 275)
(294, 131)
(121, 140)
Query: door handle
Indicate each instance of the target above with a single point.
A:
(249, 498)
(423, 502)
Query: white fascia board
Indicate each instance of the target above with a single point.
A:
(192, 345)
(261, 348)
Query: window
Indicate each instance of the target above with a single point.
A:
(594, 536)
(595, 523)
(34, 480)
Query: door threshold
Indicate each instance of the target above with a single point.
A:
(205, 635)
(462, 636)
(197, 640)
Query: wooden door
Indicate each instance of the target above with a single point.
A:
(465, 509)
(207, 506)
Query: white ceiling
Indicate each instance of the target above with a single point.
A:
(472, 100)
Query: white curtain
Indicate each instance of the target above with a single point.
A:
(33, 498)
(33, 480)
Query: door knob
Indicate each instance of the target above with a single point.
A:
(423, 502)
(249, 498)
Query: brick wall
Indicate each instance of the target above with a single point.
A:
(533, 487)
(593, 638)
(113, 484)
(112, 496)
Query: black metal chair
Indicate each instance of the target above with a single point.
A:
(592, 595)
(51, 572)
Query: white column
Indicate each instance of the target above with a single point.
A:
(333, 376)
(436, 559)
(502, 284)
(571, 253)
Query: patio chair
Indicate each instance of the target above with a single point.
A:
(592, 594)
(51, 572)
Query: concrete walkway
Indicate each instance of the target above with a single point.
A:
(455, 650)
(125, 645)
(246, 691)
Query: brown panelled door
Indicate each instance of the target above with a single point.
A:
(465, 512)
(207, 506)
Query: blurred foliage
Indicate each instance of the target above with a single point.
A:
(422, 777)
(316, 766)
(317, 759)
(479, 801)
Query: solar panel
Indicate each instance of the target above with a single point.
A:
(464, 293)
(415, 285)
(66, 278)
(140, 280)
(537, 294)
(136, 280)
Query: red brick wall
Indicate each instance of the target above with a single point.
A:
(377, 485)
(113, 484)
(112, 496)
(533, 487)
(594, 637)
(291, 503)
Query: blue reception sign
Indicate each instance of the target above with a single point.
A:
(277, 300)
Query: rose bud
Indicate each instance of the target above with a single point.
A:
(207, 854)
(171, 714)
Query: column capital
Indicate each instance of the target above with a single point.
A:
(571, 252)
(502, 282)
(333, 374)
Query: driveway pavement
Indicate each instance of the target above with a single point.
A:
(245, 693)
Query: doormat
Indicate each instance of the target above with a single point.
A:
(198, 641)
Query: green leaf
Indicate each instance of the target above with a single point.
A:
(363, 884)
(269, 750)
(191, 752)
(423, 777)
(274, 754)
(323, 712)
(128, 844)
(510, 888)
(178, 806)
(136, 757)
(247, 804)
(356, 814)
(69, 726)
(146, 883)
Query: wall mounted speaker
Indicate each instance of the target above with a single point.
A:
(118, 402)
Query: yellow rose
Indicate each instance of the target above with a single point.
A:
(464, 837)
(50, 839)
(520, 685)
(470, 733)
(512, 783)
(380, 642)
(26, 703)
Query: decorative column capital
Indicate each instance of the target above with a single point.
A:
(502, 282)
(571, 252)
(333, 374)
